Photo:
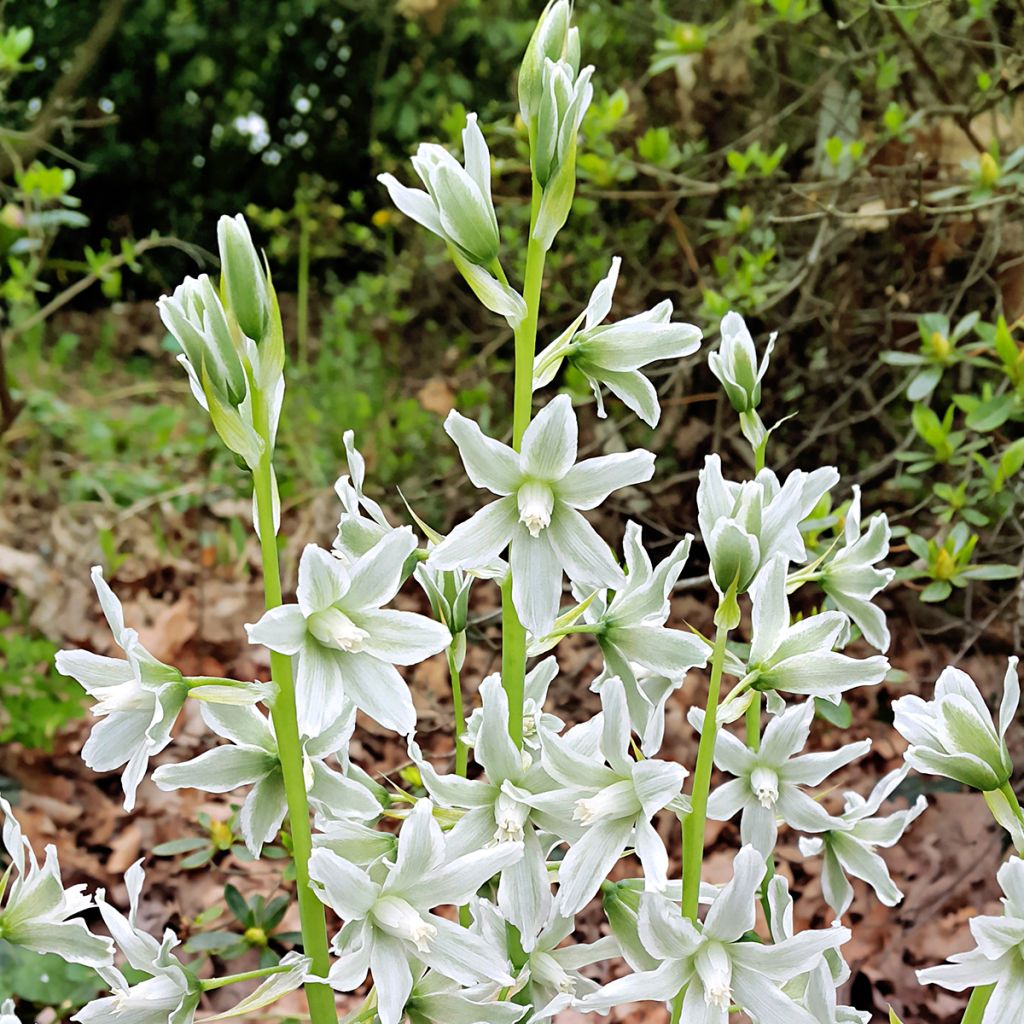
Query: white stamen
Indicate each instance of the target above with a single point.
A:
(536, 502)
(615, 801)
(765, 784)
(398, 918)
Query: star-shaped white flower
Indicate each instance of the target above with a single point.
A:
(138, 699)
(251, 759)
(849, 845)
(712, 962)
(998, 958)
(767, 781)
(39, 913)
(798, 657)
(389, 929)
(850, 578)
(609, 799)
(537, 514)
(639, 648)
(612, 354)
(347, 645)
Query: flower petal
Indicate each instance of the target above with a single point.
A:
(550, 441)
(480, 540)
(589, 482)
(488, 462)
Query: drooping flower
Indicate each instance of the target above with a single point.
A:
(612, 797)
(952, 735)
(251, 759)
(138, 699)
(170, 992)
(540, 494)
(735, 363)
(849, 845)
(500, 809)
(612, 354)
(850, 578)
(745, 525)
(536, 720)
(436, 999)
(798, 657)
(997, 958)
(766, 783)
(39, 913)
(551, 969)
(649, 658)
(389, 929)
(815, 990)
(347, 644)
(716, 968)
(457, 206)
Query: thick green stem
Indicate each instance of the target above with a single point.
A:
(234, 979)
(754, 722)
(461, 752)
(286, 728)
(1011, 798)
(513, 661)
(513, 633)
(693, 824)
(976, 1004)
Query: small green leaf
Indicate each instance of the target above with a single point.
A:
(840, 715)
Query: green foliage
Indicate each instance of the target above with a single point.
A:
(45, 980)
(254, 927)
(35, 700)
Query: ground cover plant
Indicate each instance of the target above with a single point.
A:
(456, 887)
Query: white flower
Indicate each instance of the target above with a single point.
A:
(357, 533)
(540, 494)
(7, 1014)
(499, 809)
(816, 990)
(798, 657)
(952, 735)
(536, 721)
(849, 845)
(171, 992)
(388, 927)
(735, 363)
(36, 914)
(612, 798)
(457, 206)
(552, 969)
(138, 699)
(650, 659)
(251, 759)
(744, 525)
(347, 645)
(998, 958)
(713, 964)
(767, 782)
(436, 999)
(612, 354)
(850, 578)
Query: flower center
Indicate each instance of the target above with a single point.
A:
(715, 971)
(536, 501)
(398, 918)
(334, 628)
(509, 816)
(765, 784)
(615, 801)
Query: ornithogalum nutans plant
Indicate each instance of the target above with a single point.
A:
(511, 849)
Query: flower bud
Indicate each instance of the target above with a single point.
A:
(244, 281)
(552, 39)
(196, 318)
(735, 363)
(953, 734)
(622, 909)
